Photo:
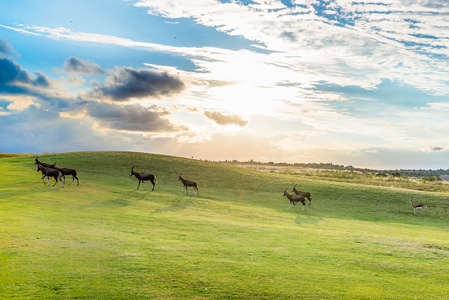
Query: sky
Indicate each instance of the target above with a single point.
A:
(362, 83)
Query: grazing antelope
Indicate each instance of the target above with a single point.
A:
(294, 199)
(143, 177)
(187, 182)
(66, 171)
(419, 205)
(37, 162)
(49, 172)
(301, 193)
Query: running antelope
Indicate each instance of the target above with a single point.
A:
(295, 199)
(143, 177)
(187, 182)
(417, 206)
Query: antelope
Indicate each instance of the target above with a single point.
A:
(49, 172)
(301, 193)
(187, 182)
(294, 199)
(419, 205)
(37, 162)
(66, 171)
(143, 177)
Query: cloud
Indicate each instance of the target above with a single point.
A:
(22, 91)
(225, 120)
(126, 83)
(12, 73)
(132, 118)
(438, 106)
(37, 130)
(41, 80)
(6, 48)
(75, 65)
(19, 102)
(385, 40)
(432, 149)
(334, 41)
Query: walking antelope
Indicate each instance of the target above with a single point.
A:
(301, 193)
(37, 162)
(417, 206)
(187, 182)
(143, 177)
(49, 172)
(294, 199)
(67, 171)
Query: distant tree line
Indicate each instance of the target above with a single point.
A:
(336, 167)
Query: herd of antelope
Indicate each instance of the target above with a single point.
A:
(51, 170)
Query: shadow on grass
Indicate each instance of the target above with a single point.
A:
(176, 204)
(124, 199)
(305, 219)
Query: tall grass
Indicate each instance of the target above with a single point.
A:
(103, 239)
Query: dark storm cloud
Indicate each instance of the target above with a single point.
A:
(12, 73)
(79, 66)
(132, 117)
(225, 120)
(126, 83)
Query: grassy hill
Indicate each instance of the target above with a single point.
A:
(103, 239)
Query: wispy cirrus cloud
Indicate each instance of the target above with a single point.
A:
(338, 42)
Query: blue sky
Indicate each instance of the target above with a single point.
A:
(361, 83)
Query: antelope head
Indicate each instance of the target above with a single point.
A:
(285, 193)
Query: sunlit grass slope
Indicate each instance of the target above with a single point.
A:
(103, 239)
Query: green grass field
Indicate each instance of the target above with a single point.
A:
(105, 240)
